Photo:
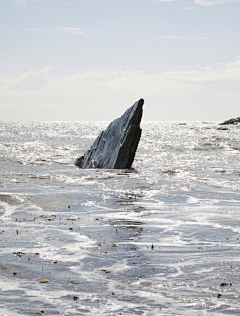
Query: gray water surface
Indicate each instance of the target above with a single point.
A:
(161, 239)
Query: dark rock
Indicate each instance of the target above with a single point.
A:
(231, 121)
(115, 147)
(222, 128)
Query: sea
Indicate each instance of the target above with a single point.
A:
(162, 238)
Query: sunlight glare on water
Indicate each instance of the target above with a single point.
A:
(160, 239)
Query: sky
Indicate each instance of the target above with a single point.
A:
(77, 60)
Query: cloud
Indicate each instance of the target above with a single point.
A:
(205, 94)
(181, 37)
(38, 30)
(30, 3)
(176, 37)
(25, 2)
(157, 1)
(74, 30)
(207, 3)
(187, 9)
(198, 2)
(51, 105)
(20, 2)
(31, 81)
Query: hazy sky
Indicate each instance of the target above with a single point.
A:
(92, 59)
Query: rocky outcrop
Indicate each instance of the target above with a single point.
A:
(115, 147)
(222, 128)
(231, 121)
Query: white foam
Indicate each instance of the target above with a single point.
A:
(8, 211)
